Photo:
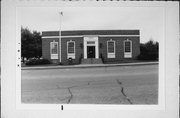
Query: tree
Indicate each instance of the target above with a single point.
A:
(149, 51)
(37, 44)
(30, 44)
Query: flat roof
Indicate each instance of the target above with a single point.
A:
(91, 32)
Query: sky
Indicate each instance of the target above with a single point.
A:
(149, 20)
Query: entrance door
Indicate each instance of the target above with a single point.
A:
(90, 51)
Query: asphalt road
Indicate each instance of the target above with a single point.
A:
(107, 85)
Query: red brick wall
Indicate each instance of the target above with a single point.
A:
(119, 48)
(64, 60)
(46, 48)
(78, 49)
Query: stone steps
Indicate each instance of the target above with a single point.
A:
(91, 61)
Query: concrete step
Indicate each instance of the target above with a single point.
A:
(97, 61)
(85, 61)
(91, 61)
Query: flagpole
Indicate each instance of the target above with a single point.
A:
(60, 13)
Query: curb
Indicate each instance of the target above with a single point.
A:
(88, 66)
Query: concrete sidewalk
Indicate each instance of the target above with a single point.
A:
(86, 66)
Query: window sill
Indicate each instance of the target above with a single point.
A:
(54, 56)
(127, 55)
(111, 55)
(71, 56)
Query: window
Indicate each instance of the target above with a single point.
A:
(54, 50)
(71, 49)
(127, 48)
(111, 49)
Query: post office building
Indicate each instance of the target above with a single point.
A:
(90, 46)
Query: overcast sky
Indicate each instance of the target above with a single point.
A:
(149, 20)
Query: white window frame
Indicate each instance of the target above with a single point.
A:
(71, 55)
(111, 55)
(128, 54)
(53, 56)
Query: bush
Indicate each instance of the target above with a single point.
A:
(149, 51)
(38, 62)
(147, 57)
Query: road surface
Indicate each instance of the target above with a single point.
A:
(105, 85)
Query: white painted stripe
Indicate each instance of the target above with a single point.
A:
(91, 35)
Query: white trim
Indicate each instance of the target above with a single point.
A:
(91, 44)
(61, 36)
(91, 38)
(85, 48)
(71, 55)
(117, 35)
(111, 55)
(53, 56)
(128, 54)
(44, 37)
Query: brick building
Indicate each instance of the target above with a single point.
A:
(90, 46)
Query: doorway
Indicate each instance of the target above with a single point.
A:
(90, 51)
(91, 47)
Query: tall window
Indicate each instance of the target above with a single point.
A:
(111, 49)
(54, 50)
(127, 48)
(71, 49)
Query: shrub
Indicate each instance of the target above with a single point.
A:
(101, 56)
(38, 62)
(80, 58)
(149, 51)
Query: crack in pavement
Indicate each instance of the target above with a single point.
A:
(70, 92)
(70, 97)
(64, 98)
(122, 91)
(89, 83)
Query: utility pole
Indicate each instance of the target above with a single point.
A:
(61, 14)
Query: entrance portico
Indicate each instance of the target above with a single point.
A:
(91, 47)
